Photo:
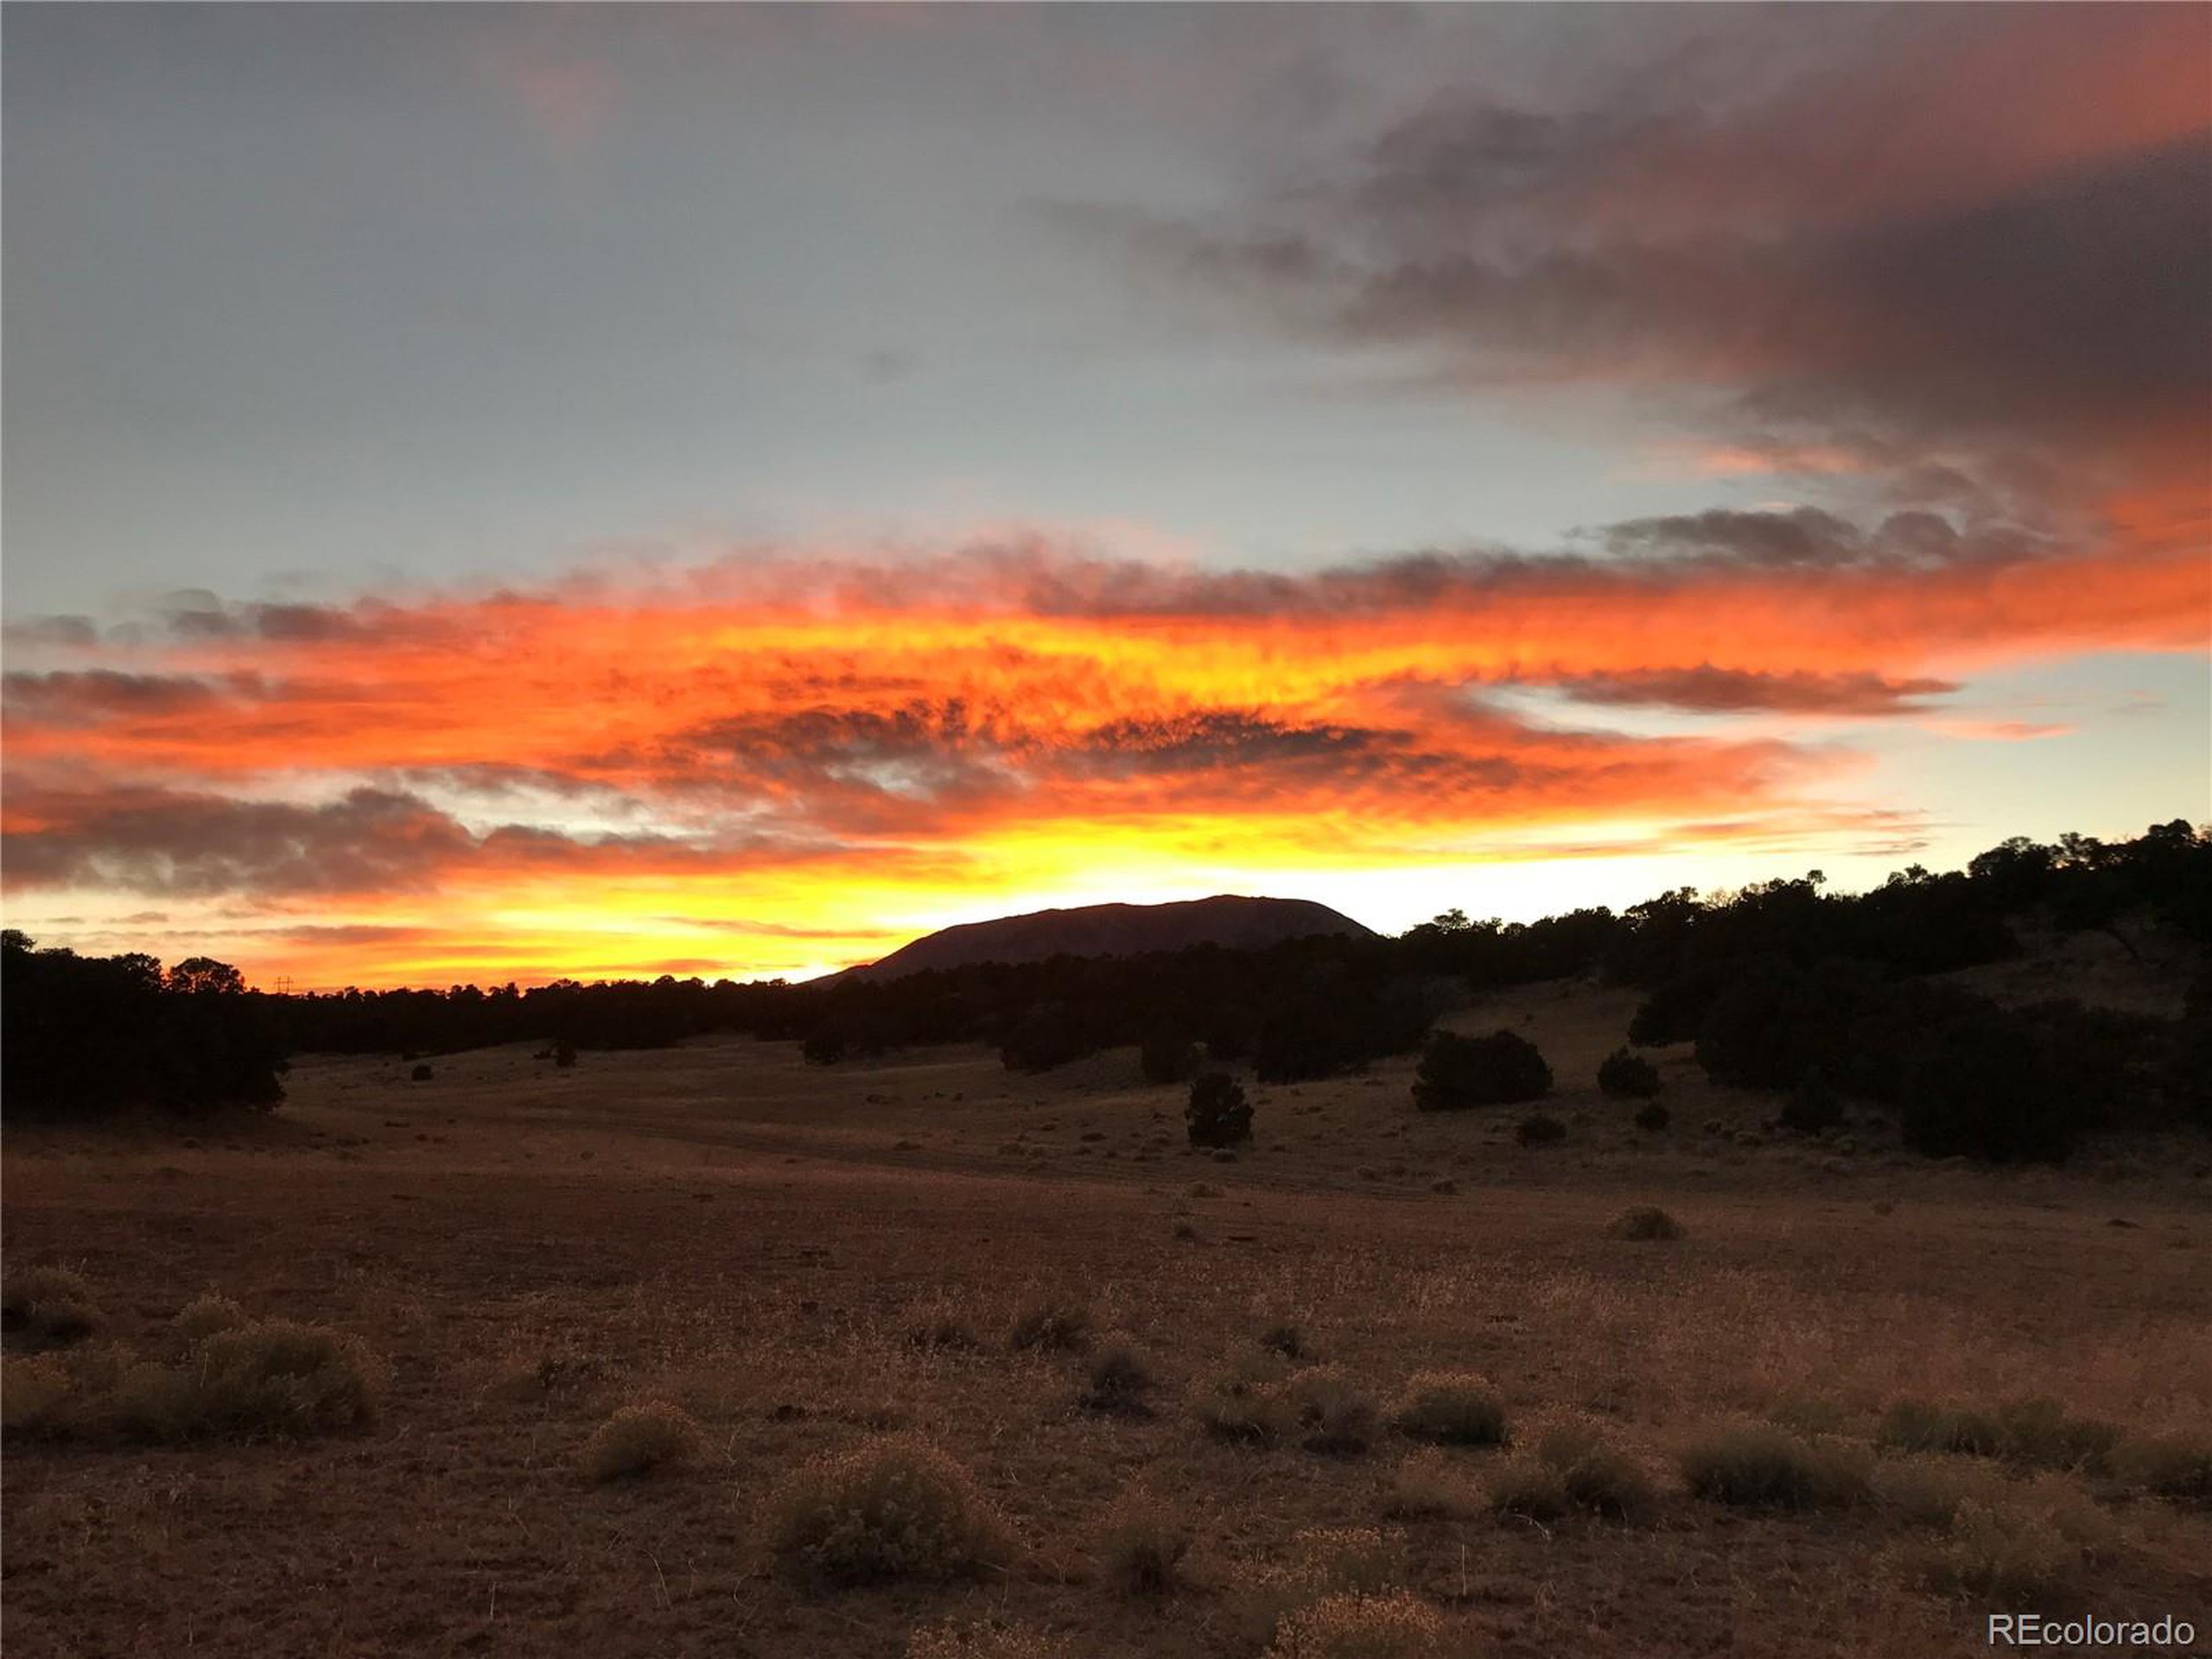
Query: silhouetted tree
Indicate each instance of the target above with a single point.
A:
(1216, 1114)
(1457, 1072)
(1629, 1077)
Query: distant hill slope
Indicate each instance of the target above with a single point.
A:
(1114, 930)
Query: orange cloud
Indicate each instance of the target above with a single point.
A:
(782, 757)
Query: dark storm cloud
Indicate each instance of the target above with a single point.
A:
(179, 844)
(1843, 250)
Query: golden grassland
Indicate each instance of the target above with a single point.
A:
(645, 1335)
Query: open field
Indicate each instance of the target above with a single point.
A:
(722, 1227)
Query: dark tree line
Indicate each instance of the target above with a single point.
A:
(1782, 985)
(88, 1037)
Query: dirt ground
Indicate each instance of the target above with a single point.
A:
(723, 1226)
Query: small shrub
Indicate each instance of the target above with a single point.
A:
(1652, 1117)
(1757, 1465)
(891, 1509)
(420, 1074)
(1644, 1222)
(825, 1046)
(1216, 1114)
(1388, 1626)
(52, 1307)
(1143, 1545)
(1118, 1377)
(1429, 1485)
(1054, 1326)
(2178, 1467)
(564, 1054)
(1538, 1129)
(1628, 1077)
(1288, 1339)
(641, 1437)
(1459, 1073)
(1338, 1415)
(1451, 1407)
(1812, 1105)
(1321, 1562)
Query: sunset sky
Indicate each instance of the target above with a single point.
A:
(505, 492)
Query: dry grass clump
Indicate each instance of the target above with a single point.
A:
(1453, 1408)
(1338, 1415)
(897, 1508)
(1321, 1562)
(50, 1306)
(1597, 1475)
(1143, 1544)
(1646, 1221)
(1529, 1488)
(2022, 1551)
(1118, 1377)
(204, 1316)
(1247, 1404)
(1429, 1486)
(1572, 1465)
(1052, 1325)
(2178, 1467)
(989, 1640)
(1926, 1491)
(1757, 1465)
(651, 1435)
(1386, 1626)
(2033, 1434)
(1288, 1339)
(275, 1377)
(2043, 1434)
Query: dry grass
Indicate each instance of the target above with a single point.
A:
(2176, 1466)
(1759, 1466)
(2024, 1550)
(1451, 1407)
(1646, 1222)
(204, 1316)
(741, 1243)
(49, 1306)
(1338, 1415)
(35, 1394)
(897, 1507)
(1051, 1325)
(2032, 1434)
(640, 1439)
(1386, 1626)
(988, 1640)
(1142, 1544)
(1429, 1485)
(1118, 1377)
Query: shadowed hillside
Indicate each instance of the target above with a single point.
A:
(1238, 924)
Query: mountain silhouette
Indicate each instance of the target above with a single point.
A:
(1227, 919)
